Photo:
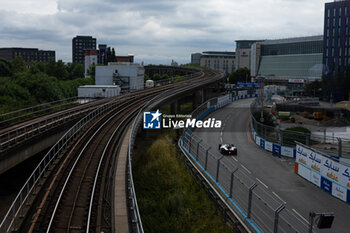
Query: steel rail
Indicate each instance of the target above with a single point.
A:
(75, 163)
(98, 169)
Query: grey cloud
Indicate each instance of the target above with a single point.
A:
(158, 29)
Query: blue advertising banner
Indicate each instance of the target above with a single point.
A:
(326, 185)
(262, 143)
(276, 149)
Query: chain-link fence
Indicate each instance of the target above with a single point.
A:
(264, 211)
(336, 146)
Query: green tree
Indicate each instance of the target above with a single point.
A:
(77, 71)
(61, 71)
(18, 65)
(5, 68)
(41, 66)
(156, 77)
(165, 76)
(240, 75)
(50, 67)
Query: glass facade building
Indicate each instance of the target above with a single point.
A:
(336, 49)
(293, 58)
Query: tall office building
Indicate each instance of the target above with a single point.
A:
(79, 44)
(336, 48)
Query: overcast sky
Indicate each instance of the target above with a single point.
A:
(155, 31)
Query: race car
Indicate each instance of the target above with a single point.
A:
(227, 149)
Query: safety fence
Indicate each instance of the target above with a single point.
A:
(333, 146)
(255, 203)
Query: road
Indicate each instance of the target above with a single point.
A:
(277, 174)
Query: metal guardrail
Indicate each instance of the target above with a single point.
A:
(36, 110)
(13, 137)
(336, 146)
(264, 211)
(23, 197)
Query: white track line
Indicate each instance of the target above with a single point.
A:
(262, 183)
(279, 197)
(246, 169)
(300, 216)
(235, 159)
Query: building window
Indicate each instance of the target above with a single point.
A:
(328, 12)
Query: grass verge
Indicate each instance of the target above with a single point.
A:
(169, 198)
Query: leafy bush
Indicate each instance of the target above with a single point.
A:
(299, 134)
(169, 198)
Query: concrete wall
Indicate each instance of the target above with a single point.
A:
(243, 58)
(104, 74)
(98, 91)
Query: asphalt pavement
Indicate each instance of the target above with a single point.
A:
(274, 173)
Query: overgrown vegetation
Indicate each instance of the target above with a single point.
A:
(22, 87)
(169, 198)
(292, 134)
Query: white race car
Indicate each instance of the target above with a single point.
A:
(227, 149)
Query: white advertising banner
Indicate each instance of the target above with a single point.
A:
(304, 172)
(268, 146)
(257, 140)
(327, 167)
(287, 151)
(316, 179)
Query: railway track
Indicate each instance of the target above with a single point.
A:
(76, 202)
(14, 135)
(75, 193)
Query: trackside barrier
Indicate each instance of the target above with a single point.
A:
(261, 211)
(322, 171)
(275, 148)
(337, 147)
(311, 164)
